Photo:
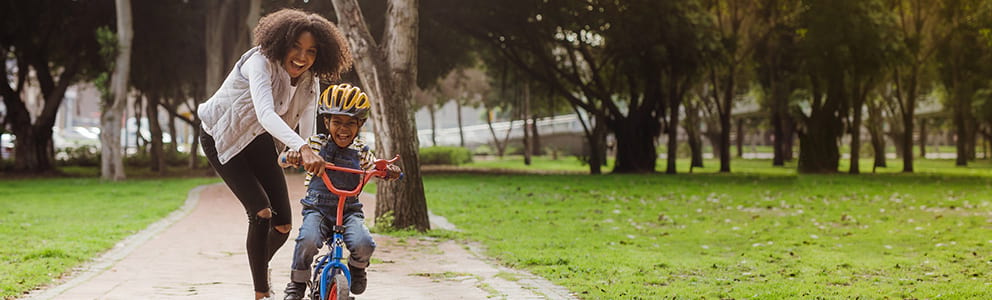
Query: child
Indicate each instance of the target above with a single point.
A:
(343, 110)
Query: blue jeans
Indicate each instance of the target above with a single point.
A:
(316, 229)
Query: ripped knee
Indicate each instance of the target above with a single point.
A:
(265, 213)
(284, 228)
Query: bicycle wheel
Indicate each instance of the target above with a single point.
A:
(339, 289)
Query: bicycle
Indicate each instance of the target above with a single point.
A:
(331, 277)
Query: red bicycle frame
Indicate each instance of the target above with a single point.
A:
(378, 171)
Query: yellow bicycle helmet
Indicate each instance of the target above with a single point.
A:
(344, 99)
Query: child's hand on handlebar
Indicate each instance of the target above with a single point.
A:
(393, 172)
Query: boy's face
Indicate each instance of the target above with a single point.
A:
(343, 129)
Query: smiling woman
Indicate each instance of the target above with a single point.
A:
(271, 90)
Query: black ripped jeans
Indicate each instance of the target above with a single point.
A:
(258, 182)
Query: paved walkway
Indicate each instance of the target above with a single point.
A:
(198, 253)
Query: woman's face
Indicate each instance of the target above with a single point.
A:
(300, 56)
(343, 129)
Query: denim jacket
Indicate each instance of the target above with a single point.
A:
(318, 196)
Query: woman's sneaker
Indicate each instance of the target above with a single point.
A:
(295, 290)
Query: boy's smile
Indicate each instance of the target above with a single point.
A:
(342, 129)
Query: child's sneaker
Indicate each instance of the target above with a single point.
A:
(358, 280)
(295, 290)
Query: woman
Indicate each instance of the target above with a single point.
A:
(272, 89)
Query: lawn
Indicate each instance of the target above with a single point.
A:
(48, 226)
(759, 233)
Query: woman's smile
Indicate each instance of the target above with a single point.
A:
(300, 56)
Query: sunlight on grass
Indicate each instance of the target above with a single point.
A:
(759, 232)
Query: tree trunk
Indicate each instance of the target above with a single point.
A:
(535, 138)
(724, 110)
(859, 100)
(500, 147)
(461, 128)
(778, 143)
(597, 147)
(908, 116)
(228, 30)
(596, 138)
(675, 92)
(692, 132)
(635, 135)
(193, 154)
(157, 150)
(715, 140)
(696, 147)
(923, 138)
(818, 151)
(34, 150)
(526, 118)
(876, 126)
(112, 161)
(726, 139)
(433, 111)
(171, 148)
(960, 127)
(388, 72)
(790, 138)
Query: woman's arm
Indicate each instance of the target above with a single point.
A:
(260, 86)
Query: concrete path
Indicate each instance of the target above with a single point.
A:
(198, 252)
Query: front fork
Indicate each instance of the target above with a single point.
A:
(327, 265)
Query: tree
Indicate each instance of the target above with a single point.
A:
(57, 41)
(112, 112)
(388, 71)
(917, 35)
(431, 100)
(959, 65)
(168, 69)
(464, 86)
(843, 52)
(736, 28)
(777, 62)
(598, 59)
(869, 49)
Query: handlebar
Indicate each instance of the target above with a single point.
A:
(380, 170)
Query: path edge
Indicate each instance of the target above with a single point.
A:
(102, 263)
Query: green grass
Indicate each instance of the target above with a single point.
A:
(50, 225)
(761, 232)
(516, 162)
(740, 166)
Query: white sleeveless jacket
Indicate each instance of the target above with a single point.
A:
(256, 98)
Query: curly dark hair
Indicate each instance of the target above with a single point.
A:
(276, 33)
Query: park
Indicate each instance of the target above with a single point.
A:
(689, 149)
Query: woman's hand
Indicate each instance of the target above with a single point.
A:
(312, 162)
(290, 158)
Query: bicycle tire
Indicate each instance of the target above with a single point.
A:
(339, 289)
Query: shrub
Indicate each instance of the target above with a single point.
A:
(83, 156)
(440, 155)
(484, 150)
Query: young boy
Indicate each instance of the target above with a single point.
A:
(343, 110)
